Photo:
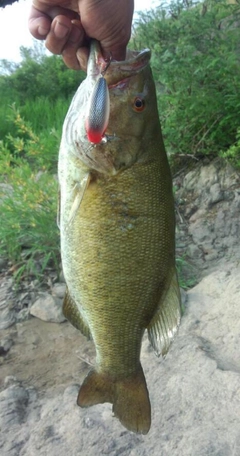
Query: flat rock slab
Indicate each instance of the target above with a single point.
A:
(195, 393)
(48, 308)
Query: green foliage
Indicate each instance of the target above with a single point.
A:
(232, 154)
(186, 273)
(44, 114)
(195, 60)
(39, 150)
(41, 88)
(28, 200)
(35, 96)
(39, 75)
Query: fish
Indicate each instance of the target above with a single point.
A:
(117, 233)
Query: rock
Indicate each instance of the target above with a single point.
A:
(7, 314)
(5, 345)
(10, 380)
(183, 296)
(23, 315)
(7, 317)
(193, 251)
(209, 214)
(48, 308)
(194, 391)
(59, 290)
(3, 263)
(13, 402)
(216, 194)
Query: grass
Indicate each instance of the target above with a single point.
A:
(186, 273)
(28, 199)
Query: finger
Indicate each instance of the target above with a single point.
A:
(69, 52)
(39, 22)
(82, 57)
(62, 34)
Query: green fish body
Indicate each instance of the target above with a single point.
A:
(117, 229)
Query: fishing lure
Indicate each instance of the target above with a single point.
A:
(98, 111)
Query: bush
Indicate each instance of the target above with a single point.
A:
(28, 201)
(232, 154)
(195, 60)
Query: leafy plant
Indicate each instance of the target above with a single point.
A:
(232, 154)
(28, 201)
(195, 61)
(39, 75)
(186, 273)
(40, 150)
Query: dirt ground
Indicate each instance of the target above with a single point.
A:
(45, 354)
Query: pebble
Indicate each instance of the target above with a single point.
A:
(48, 308)
(5, 345)
(59, 290)
(10, 380)
(7, 317)
(23, 315)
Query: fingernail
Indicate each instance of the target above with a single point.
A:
(43, 31)
(60, 30)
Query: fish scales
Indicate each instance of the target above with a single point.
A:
(117, 244)
(114, 248)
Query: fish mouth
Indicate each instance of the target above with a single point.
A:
(116, 71)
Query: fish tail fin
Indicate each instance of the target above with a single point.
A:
(129, 396)
(97, 388)
(132, 405)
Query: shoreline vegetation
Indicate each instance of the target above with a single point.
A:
(195, 62)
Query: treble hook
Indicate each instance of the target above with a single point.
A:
(107, 65)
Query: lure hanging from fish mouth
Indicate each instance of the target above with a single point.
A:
(98, 110)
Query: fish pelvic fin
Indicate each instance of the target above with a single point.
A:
(165, 323)
(73, 315)
(129, 396)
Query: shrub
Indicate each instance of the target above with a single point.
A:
(195, 60)
(28, 201)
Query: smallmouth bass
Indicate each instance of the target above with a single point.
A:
(117, 225)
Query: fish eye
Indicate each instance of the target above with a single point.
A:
(138, 104)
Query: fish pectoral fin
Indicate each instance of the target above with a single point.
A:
(79, 190)
(129, 396)
(73, 315)
(165, 323)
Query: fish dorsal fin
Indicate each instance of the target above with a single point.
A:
(164, 324)
(79, 190)
(73, 315)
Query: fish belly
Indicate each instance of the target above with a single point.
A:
(116, 256)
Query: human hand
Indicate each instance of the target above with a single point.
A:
(68, 25)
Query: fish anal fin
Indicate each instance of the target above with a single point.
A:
(129, 396)
(73, 315)
(165, 323)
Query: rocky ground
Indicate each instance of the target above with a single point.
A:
(208, 221)
(195, 391)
